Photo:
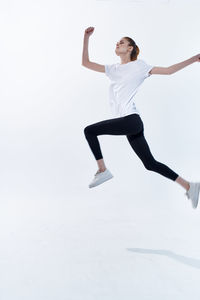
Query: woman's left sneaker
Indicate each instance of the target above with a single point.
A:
(100, 177)
(193, 193)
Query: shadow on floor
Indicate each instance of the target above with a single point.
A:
(189, 261)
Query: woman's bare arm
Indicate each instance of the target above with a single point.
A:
(174, 68)
(85, 56)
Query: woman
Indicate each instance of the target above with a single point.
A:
(126, 77)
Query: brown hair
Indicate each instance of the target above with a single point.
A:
(135, 52)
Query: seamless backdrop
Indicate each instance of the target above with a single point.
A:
(137, 235)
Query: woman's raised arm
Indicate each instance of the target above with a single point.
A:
(85, 57)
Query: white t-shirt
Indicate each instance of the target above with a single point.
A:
(125, 81)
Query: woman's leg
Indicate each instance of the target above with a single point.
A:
(132, 127)
(130, 124)
(141, 148)
(101, 165)
(184, 183)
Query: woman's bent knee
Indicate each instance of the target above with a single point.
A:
(86, 129)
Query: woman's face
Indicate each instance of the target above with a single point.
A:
(122, 47)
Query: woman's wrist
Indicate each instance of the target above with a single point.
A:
(86, 37)
(195, 58)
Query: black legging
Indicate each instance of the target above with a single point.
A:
(131, 126)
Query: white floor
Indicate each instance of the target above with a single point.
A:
(69, 242)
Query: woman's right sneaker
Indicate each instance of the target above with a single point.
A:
(100, 177)
(193, 193)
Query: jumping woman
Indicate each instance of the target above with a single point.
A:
(126, 77)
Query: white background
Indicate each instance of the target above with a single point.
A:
(135, 236)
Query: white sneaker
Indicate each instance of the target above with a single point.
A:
(100, 177)
(193, 193)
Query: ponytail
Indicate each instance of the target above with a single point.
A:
(135, 52)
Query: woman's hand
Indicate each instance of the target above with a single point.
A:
(196, 58)
(89, 31)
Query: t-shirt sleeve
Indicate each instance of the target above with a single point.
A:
(146, 68)
(109, 69)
